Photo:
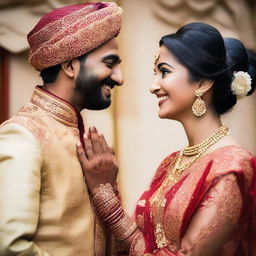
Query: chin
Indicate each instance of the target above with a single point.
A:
(96, 106)
(170, 116)
(162, 114)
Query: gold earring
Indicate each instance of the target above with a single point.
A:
(198, 107)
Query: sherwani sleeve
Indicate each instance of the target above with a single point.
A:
(211, 225)
(20, 180)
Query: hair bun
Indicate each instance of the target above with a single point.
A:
(240, 59)
(252, 69)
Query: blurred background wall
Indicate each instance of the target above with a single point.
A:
(131, 125)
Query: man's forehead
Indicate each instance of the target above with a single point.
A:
(109, 48)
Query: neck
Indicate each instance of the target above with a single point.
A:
(57, 90)
(63, 91)
(200, 128)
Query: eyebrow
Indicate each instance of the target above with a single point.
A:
(164, 63)
(115, 58)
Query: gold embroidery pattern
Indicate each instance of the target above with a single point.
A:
(58, 109)
(164, 165)
(45, 33)
(224, 159)
(29, 117)
(140, 221)
(111, 213)
(223, 203)
(158, 203)
(100, 249)
(137, 247)
(229, 203)
(141, 203)
(84, 35)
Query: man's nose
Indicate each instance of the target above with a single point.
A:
(117, 76)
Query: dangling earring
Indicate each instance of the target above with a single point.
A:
(198, 107)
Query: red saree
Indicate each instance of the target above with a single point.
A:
(209, 211)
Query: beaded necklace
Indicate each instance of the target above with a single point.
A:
(158, 200)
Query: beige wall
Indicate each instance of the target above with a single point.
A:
(132, 124)
(23, 79)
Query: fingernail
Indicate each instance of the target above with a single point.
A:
(78, 144)
(85, 136)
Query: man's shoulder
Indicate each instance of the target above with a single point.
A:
(32, 118)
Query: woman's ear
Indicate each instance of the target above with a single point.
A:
(70, 67)
(205, 85)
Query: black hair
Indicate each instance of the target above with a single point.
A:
(203, 51)
(50, 74)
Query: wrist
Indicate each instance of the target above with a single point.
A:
(114, 186)
(109, 209)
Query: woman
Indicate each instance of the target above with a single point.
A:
(200, 201)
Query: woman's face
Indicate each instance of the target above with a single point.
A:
(173, 87)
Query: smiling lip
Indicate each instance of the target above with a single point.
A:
(107, 89)
(162, 99)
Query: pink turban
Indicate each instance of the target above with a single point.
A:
(71, 31)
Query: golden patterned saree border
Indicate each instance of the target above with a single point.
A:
(59, 110)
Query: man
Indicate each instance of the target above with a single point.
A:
(45, 207)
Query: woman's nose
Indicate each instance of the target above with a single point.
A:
(155, 87)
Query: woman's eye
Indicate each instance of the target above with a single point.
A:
(164, 72)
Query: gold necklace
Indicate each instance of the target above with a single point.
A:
(204, 145)
(158, 200)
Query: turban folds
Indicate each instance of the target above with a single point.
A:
(71, 31)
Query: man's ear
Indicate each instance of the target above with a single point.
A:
(205, 85)
(69, 67)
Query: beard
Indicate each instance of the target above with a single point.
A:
(89, 89)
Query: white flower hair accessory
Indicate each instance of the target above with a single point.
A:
(241, 84)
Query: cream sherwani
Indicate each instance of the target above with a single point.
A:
(45, 208)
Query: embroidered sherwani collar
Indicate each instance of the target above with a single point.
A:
(59, 109)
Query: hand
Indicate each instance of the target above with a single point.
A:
(97, 160)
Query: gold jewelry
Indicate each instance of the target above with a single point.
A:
(109, 209)
(156, 57)
(204, 145)
(198, 107)
(158, 201)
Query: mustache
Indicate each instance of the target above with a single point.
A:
(108, 81)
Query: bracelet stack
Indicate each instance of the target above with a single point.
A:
(109, 209)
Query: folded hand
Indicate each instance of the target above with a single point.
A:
(97, 160)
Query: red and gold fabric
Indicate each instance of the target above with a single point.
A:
(209, 211)
(71, 31)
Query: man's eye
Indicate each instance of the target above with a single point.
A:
(109, 63)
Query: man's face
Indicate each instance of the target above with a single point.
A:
(99, 73)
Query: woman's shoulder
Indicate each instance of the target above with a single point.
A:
(232, 159)
(234, 156)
